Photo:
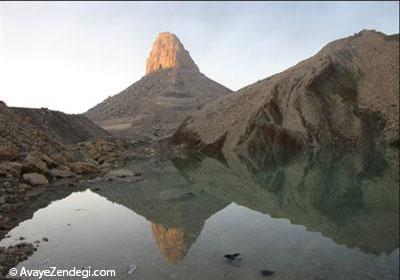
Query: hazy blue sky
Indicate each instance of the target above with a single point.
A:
(70, 56)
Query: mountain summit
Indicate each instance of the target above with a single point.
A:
(153, 107)
(168, 52)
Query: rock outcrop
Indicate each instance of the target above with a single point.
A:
(168, 52)
(346, 95)
(154, 106)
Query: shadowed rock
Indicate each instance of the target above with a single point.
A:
(346, 95)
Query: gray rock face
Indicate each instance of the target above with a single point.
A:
(346, 95)
(154, 106)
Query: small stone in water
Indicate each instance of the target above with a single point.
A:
(266, 272)
(45, 239)
(231, 256)
(132, 269)
(233, 259)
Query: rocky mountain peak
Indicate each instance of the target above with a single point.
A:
(168, 52)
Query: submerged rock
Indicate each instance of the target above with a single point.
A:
(266, 272)
(120, 173)
(84, 168)
(231, 256)
(233, 259)
(123, 174)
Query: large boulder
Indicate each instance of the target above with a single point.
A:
(45, 158)
(34, 164)
(35, 179)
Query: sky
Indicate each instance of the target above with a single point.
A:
(70, 56)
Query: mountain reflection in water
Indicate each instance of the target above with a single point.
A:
(352, 200)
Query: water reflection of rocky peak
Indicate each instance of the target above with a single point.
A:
(173, 242)
(176, 211)
(351, 198)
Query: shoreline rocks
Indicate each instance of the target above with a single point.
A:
(11, 256)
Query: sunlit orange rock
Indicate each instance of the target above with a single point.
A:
(168, 52)
(172, 242)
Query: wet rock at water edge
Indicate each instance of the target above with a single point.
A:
(84, 168)
(61, 173)
(11, 256)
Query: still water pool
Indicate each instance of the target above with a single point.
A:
(305, 220)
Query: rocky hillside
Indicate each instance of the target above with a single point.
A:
(42, 129)
(41, 149)
(154, 106)
(346, 95)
